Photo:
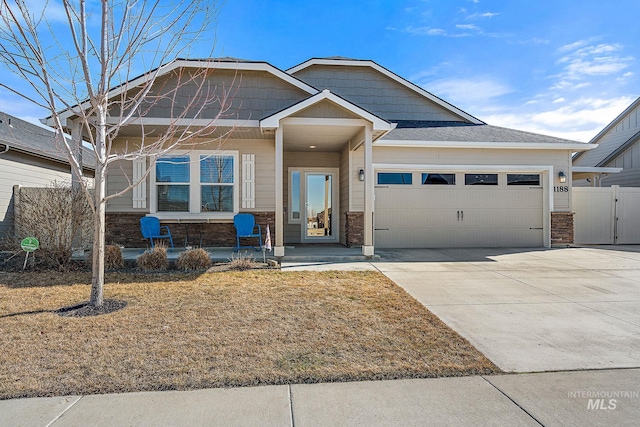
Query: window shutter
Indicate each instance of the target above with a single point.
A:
(140, 190)
(248, 181)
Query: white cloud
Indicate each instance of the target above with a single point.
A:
(467, 27)
(468, 91)
(579, 120)
(483, 15)
(581, 61)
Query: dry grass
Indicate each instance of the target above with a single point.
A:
(186, 331)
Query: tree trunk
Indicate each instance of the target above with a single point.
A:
(97, 280)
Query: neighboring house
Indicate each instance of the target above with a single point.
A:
(616, 161)
(29, 157)
(392, 164)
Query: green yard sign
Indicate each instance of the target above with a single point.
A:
(29, 244)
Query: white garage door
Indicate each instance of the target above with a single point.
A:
(506, 210)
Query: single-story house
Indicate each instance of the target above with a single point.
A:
(339, 150)
(29, 157)
(616, 160)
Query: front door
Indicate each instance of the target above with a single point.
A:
(320, 206)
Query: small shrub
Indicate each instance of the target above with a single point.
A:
(241, 262)
(193, 259)
(156, 259)
(112, 257)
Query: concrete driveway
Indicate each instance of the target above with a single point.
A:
(531, 309)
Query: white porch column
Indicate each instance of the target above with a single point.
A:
(367, 247)
(278, 249)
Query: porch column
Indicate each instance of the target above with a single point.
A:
(278, 249)
(367, 247)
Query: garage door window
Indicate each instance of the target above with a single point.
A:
(523, 179)
(438, 179)
(481, 179)
(402, 178)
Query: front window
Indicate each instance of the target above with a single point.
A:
(216, 183)
(197, 183)
(172, 179)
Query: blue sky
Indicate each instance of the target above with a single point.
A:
(563, 68)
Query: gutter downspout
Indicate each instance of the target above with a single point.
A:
(6, 149)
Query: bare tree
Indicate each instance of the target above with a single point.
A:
(82, 60)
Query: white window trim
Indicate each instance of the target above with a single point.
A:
(194, 188)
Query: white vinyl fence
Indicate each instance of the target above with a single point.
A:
(607, 215)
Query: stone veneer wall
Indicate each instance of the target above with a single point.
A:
(354, 229)
(124, 229)
(561, 228)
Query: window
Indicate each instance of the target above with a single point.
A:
(196, 183)
(216, 183)
(481, 179)
(438, 179)
(405, 178)
(172, 180)
(523, 179)
(294, 199)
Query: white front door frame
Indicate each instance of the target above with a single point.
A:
(335, 200)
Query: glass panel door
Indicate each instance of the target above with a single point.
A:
(318, 222)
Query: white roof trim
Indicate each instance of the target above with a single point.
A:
(180, 63)
(594, 169)
(391, 75)
(273, 121)
(482, 144)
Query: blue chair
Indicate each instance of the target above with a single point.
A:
(245, 225)
(151, 229)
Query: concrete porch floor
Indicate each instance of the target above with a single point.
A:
(293, 253)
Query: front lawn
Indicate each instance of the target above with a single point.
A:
(181, 331)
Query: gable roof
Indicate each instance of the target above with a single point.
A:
(28, 138)
(339, 61)
(464, 135)
(605, 153)
(273, 120)
(226, 63)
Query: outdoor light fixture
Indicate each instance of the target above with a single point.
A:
(562, 176)
(361, 174)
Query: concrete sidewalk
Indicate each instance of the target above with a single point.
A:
(585, 398)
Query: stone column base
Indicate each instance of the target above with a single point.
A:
(561, 229)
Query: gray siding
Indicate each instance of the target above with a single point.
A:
(27, 171)
(326, 109)
(613, 139)
(374, 92)
(254, 95)
(629, 160)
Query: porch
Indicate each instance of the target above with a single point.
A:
(297, 253)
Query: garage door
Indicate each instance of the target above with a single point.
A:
(458, 210)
